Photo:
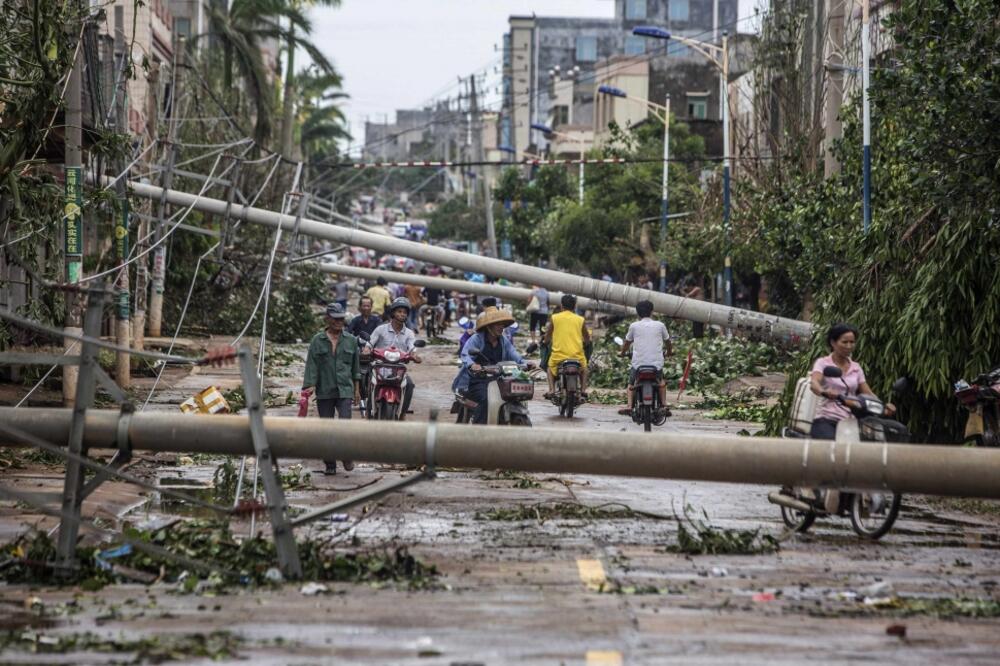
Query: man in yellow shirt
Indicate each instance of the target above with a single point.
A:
(380, 296)
(566, 334)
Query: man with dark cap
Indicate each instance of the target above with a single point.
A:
(333, 372)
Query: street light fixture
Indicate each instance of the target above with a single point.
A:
(718, 56)
(545, 129)
(664, 196)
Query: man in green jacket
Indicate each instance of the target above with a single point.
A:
(332, 370)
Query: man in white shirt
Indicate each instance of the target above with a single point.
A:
(394, 333)
(646, 339)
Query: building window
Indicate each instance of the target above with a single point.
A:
(635, 9)
(698, 107)
(560, 115)
(635, 45)
(680, 10)
(182, 27)
(586, 49)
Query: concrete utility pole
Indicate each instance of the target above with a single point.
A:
(737, 319)
(142, 265)
(506, 292)
(73, 223)
(122, 323)
(160, 253)
(903, 468)
(482, 181)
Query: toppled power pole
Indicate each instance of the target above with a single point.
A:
(757, 324)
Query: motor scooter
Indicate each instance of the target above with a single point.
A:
(568, 395)
(982, 400)
(872, 511)
(387, 376)
(506, 396)
(646, 408)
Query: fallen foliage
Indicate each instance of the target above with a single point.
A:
(697, 536)
(211, 543)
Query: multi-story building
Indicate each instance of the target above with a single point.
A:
(552, 67)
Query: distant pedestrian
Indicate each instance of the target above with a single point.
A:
(341, 291)
(538, 311)
(333, 372)
(380, 296)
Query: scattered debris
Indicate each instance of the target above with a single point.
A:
(210, 542)
(152, 649)
(699, 537)
(522, 480)
(549, 510)
(312, 589)
(207, 401)
(896, 630)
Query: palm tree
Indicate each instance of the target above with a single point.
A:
(321, 123)
(288, 97)
(242, 30)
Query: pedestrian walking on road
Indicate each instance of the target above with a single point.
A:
(380, 296)
(341, 291)
(333, 372)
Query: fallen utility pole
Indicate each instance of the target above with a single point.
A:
(464, 286)
(903, 468)
(753, 323)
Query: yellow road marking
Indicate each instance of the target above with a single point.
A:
(604, 658)
(591, 573)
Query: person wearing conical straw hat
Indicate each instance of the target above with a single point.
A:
(488, 346)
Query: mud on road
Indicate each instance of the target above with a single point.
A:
(520, 585)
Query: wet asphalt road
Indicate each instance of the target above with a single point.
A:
(562, 590)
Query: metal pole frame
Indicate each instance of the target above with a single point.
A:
(72, 497)
(300, 212)
(277, 506)
(224, 229)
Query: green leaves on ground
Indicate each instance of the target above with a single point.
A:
(696, 536)
(212, 544)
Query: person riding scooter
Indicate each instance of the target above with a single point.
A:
(394, 333)
(567, 335)
(489, 346)
(646, 338)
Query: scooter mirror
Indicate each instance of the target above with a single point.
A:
(420, 343)
(832, 371)
(619, 341)
(901, 385)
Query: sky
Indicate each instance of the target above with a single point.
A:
(402, 53)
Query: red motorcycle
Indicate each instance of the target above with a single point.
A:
(982, 399)
(386, 383)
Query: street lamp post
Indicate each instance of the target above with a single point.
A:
(718, 56)
(545, 129)
(866, 148)
(664, 194)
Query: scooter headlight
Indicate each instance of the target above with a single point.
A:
(391, 356)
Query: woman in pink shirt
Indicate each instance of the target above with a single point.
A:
(841, 339)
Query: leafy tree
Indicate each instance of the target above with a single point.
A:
(456, 220)
(921, 285)
(241, 28)
(530, 201)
